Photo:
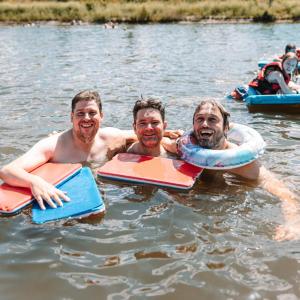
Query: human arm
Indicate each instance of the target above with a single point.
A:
(289, 201)
(17, 173)
(294, 86)
(267, 180)
(170, 145)
(173, 134)
(277, 77)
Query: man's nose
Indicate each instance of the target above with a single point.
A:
(149, 126)
(86, 115)
(204, 123)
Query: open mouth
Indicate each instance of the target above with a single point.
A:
(206, 134)
(86, 125)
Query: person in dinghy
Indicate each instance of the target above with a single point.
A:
(274, 78)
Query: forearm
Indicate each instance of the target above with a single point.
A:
(273, 185)
(130, 136)
(16, 176)
(294, 86)
(169, 145)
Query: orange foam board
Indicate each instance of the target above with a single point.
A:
(152, 170)
(14, 198)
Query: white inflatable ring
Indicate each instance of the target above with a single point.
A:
(250, 146)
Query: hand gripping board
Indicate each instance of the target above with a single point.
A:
(84, 195)
(14, 198)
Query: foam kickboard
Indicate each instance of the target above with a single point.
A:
(12, 198)
(84, 195)
(159, 171)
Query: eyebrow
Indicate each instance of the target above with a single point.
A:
(210, 114)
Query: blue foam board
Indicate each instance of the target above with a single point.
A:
(84, 195)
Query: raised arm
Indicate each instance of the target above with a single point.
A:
(17, 173)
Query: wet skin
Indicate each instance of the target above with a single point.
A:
(149, 127)
(209, 129)
(86, 119)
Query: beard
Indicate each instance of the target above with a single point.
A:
(86, 138)
(150, 142)
(215, 141)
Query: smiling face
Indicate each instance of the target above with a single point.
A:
(209, 127)
(289, 65)
(86, 119)
(149, 127)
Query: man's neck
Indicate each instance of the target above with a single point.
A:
(81, 145)
(156, 151)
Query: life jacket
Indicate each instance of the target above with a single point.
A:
(265, 87)
(298, 53)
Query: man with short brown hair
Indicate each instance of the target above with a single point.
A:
(85, 142)
(149, 126)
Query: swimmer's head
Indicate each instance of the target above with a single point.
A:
(289, 62)
(87, 95)
(290, 48)
(149, 103)
(225, 114)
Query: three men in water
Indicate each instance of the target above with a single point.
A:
(86, 141)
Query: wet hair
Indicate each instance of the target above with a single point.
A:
(87, 95)
(290, 48)
(148, 103)
(225, 114)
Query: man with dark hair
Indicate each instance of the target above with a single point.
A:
(149, 126)
(84, 142)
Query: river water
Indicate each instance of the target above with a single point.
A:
(215, 241)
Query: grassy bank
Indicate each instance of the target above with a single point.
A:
(100, 11)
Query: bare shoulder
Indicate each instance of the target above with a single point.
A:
(230, 145)
(110, 132)
(51, 141)
(250, 171)
(115, 134)
(40, 153)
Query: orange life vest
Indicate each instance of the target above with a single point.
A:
(265, 87)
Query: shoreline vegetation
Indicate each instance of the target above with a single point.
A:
(145, 11)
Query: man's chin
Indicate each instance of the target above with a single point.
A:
(150, 145)
(86, 138)
(205, 144)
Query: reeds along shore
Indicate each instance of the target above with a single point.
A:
(101, 11)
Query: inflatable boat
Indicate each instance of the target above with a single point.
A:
(288, 103)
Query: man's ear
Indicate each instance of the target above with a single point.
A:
(134, 126)
(226, 128)
(101, 114)
(165, 125)
(72, 116)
